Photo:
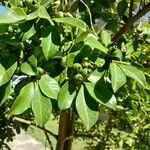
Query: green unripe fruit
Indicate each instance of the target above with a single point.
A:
(59, 14)
(20, 4)
(77, 67)
(86, 72)
(40, 71)
(78, 77)
(29, 2)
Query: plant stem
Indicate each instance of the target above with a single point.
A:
(48, 139)
(90, 16)
(130, 22)
(66, 126)
(31, 123)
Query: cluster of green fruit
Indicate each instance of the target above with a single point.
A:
(28, 3)
(81, 71)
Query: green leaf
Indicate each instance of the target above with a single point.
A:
(32, 61)
(6, 76)
(81, 36)
(23, 101)
(12, 16)
(29, 33)
(27, 69)
(43, 13)
(32, 15)
(106, 38)
(118, 77)
(2, 72)
(3, 28)
(49, 86)
(122, 7)
(7, 38)
(41, 107)
(101, 95)
(66, 95)
(5, 91)
(73, 22)
(87, 115)
(70, 59)
(46, 2)
(133, 73)
(93, 42)
(48, 47)
(95, 76)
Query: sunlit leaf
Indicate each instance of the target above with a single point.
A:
(134, 73)
(41, 107)
(106, 38)
(101, 95)
(66, 95)
(118, 78)
(23, 101)
(93, 42)
(48, 47)
(27, 69)
(49, 86)
(87, 115)
(12, 16)
(73, 22)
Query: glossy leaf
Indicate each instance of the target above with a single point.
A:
(49, 86)
(101, 95)
(95, 76)
(46, 2)
(133, 73)
(32, 15)
(118, 77)
(27, 69)
(73, 22)
(12, 16)
(87, 115)
(32, 61)
(48, 47)
(106, 38)
(5, 77)
(93, 42)
(66, 95)
(23, 101)
(70, 60)
(5, 91)
(2, 72)
(29, 33)
(43, 13)
(41, 107)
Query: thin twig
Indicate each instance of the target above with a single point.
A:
(93, 137)
(48, 139)
(90, 15)
(33, 124)
(68, 138)
(130, 22)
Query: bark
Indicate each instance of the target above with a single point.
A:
(66, 127)
(130, 22)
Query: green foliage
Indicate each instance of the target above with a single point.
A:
(69, 58)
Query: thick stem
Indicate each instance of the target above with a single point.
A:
(130, 22)
(66, 126)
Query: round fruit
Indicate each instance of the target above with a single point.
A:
(78, 77)
(29, 2)
(59, 14)
(77, 67)
(40, 70)
(86, 72)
